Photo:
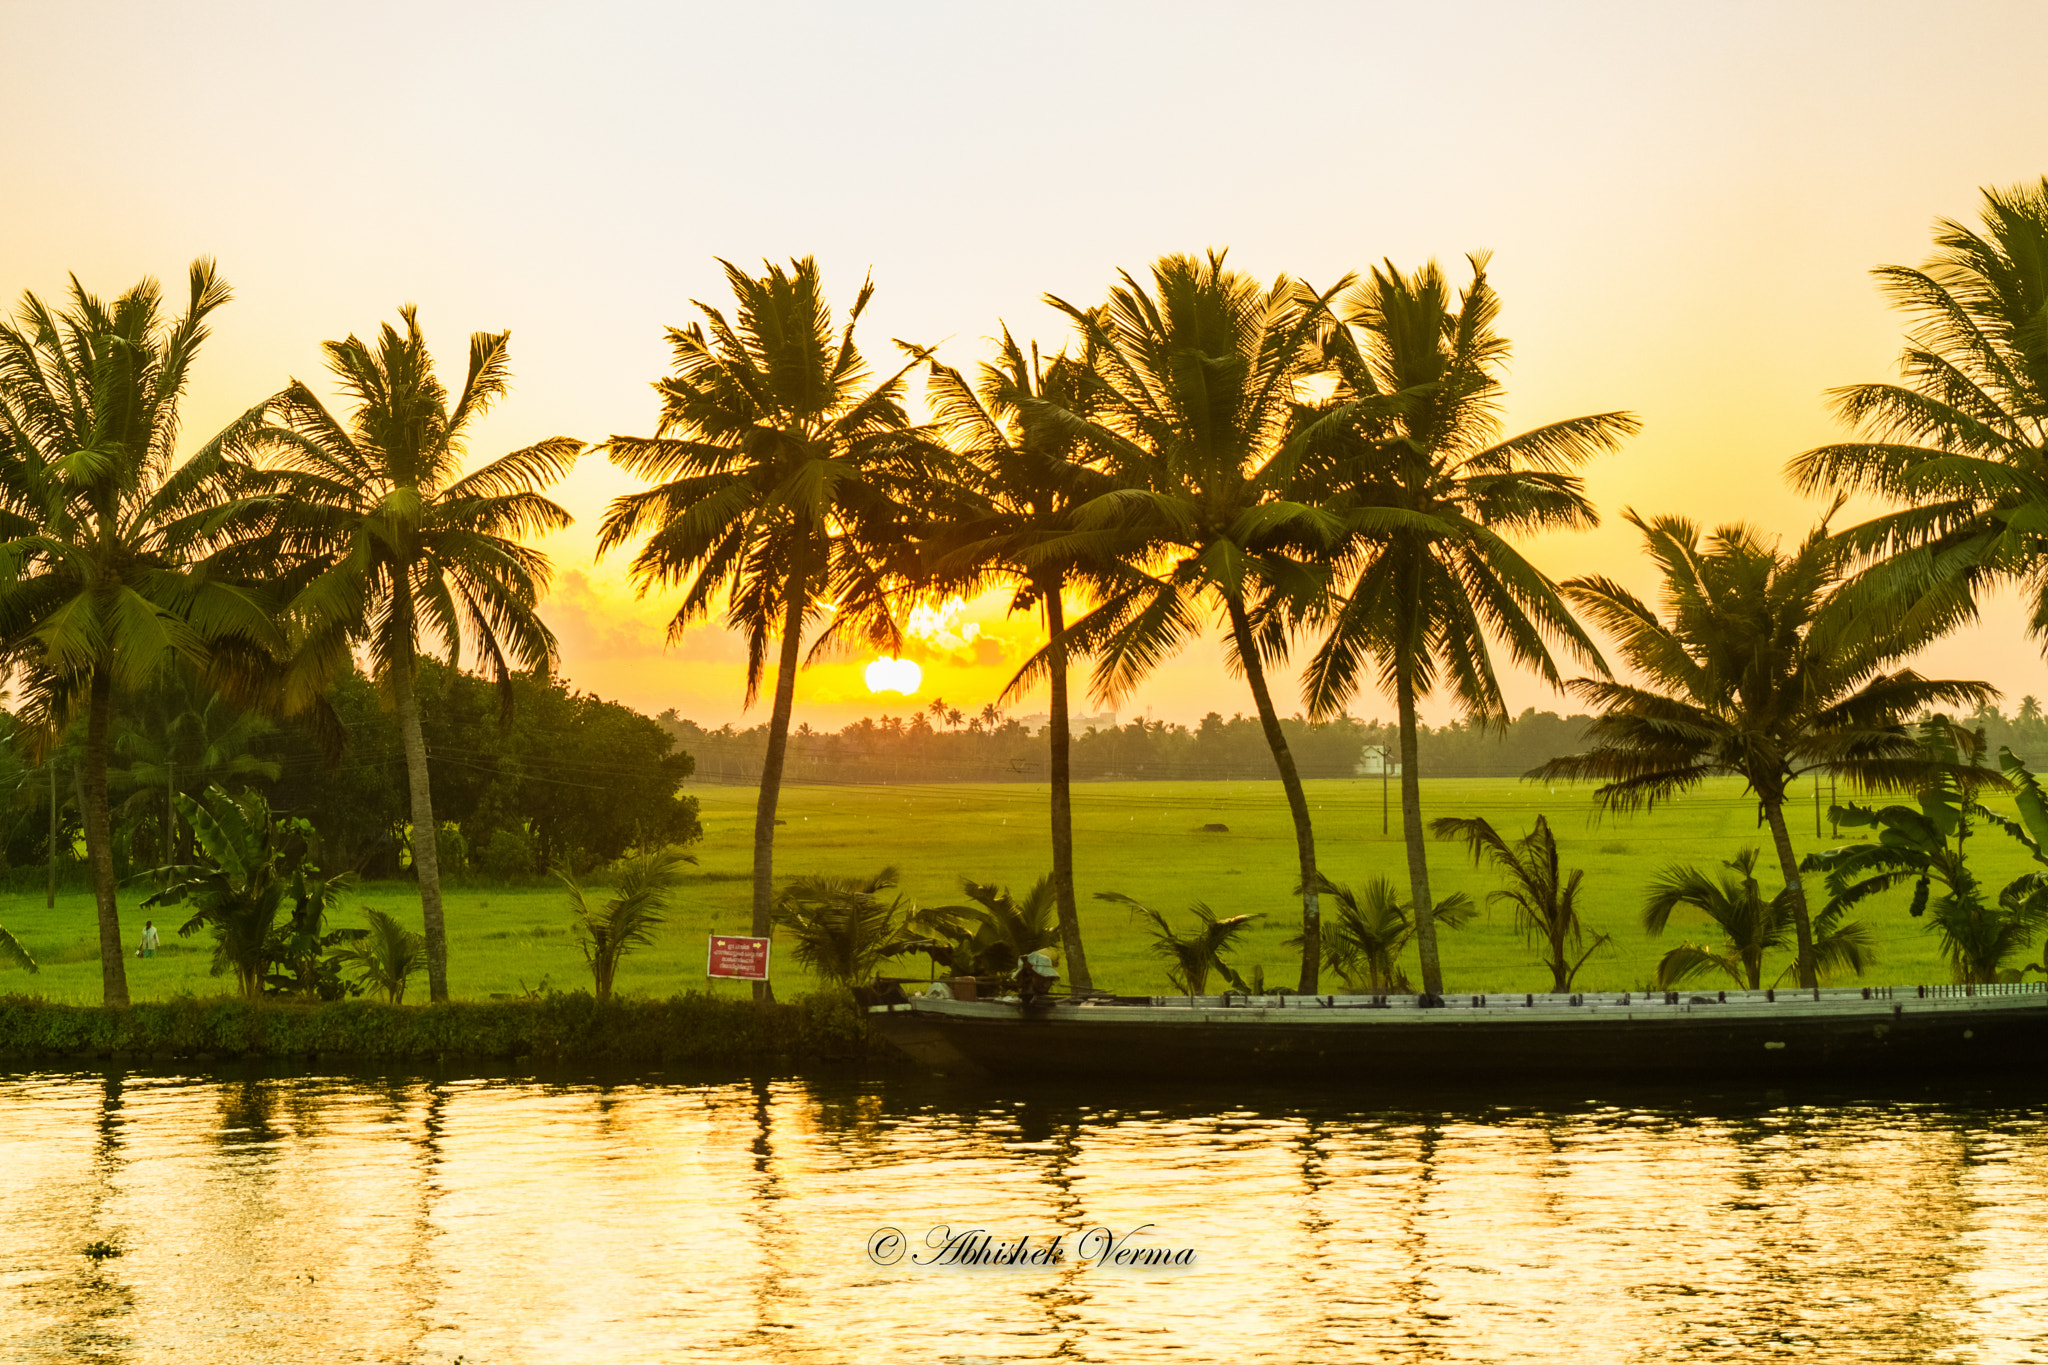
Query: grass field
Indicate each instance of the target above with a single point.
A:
(1143, 839)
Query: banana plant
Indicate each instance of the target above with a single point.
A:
(1924, 844)
(2030, 830)
(250, 863)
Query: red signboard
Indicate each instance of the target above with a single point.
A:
(733, 955)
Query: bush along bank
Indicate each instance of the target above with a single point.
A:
(569, 1027)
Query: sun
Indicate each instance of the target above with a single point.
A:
(894, 675)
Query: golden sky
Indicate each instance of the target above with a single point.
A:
(1683, 203)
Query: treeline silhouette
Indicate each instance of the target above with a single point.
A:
(911, 749)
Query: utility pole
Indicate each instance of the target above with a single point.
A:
(171, 809)
(1386, 763)
(50, 902)
(1816, 806)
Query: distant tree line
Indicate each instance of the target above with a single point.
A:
(564, 780)
(897, 749)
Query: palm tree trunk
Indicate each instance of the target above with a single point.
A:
(426, 852)
(1297, 799)
(1788, 863)
(1069, 912)
(1411, 833)
(771, 772)
(99, 841)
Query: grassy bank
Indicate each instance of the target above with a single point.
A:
(556, 1028)
(1145, 839)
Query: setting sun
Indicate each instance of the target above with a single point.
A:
(894, 675)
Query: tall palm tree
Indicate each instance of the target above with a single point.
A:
(1767, 667)
(1024, 480)
(785, 479)
(402, 551)
(1961, 446)
(110, 548)
(1191, 389)
(1751, 925)
(1409, 450)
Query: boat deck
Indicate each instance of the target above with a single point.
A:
(1891, 1027)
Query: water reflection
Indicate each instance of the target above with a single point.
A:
(311, 1219)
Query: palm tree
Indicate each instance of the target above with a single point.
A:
(1370, 930)
(989, 937)
(628, 917)
(1767, 667)
(1961, 446)
(1408, 451)
(111, 552)
(841, 927)
(1189, 394)
(402, 549)
(784, 481)
(1194, 956)
(1024, 480)
(387, 956)
(185, 737)
(1545, 899)
(1751, 924)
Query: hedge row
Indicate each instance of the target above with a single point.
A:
(553, 1028)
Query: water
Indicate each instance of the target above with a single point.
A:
(323, 1219)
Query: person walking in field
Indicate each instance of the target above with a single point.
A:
(149, 938)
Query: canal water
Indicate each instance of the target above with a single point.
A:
(189, 1218)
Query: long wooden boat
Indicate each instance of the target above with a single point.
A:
(1658, 1035)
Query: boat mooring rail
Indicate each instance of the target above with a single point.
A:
(1808, 998)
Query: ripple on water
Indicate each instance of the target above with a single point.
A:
(330, 1219)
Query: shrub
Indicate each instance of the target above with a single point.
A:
(509, 854)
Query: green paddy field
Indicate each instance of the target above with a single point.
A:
(1144, 839)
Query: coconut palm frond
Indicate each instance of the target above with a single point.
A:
(12, 950)
(626, 919)
(1192, 956)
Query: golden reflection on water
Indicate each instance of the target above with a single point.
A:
(318, 1219)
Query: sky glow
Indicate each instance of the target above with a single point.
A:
(1683, 204)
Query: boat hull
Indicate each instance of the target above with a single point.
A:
(1655, 1039)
